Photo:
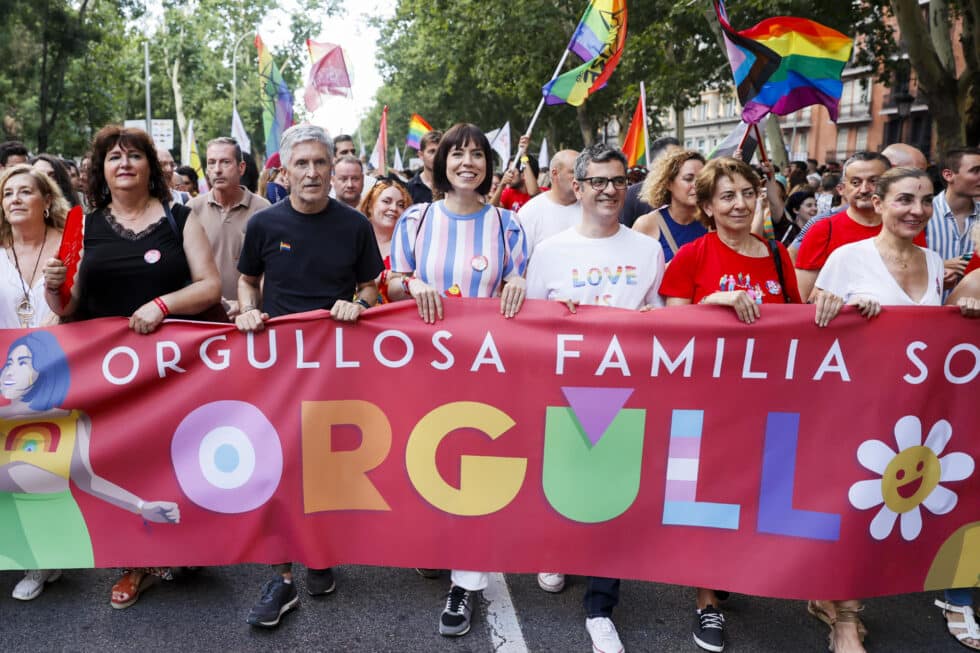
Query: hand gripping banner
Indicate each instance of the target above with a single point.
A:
(678, 446)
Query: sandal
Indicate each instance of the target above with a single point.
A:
(849, 616)
(843, 615)
(127, 589)
(961, 630)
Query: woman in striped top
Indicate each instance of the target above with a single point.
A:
(459, 246)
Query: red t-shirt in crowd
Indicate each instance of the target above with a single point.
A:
(512, 199)
(708, 265)
(827, 235)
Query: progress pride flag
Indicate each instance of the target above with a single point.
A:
(677, 445)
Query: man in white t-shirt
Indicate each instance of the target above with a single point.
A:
(558, 209)
(598, 261)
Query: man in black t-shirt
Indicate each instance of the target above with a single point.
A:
(420, 186)
(299, 255)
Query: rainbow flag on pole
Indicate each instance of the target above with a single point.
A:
(598, 41)
(784, 64)
(635, 145)
(276, 98)
(417, 128)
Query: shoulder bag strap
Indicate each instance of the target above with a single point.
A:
(778, 260)
(662, 225)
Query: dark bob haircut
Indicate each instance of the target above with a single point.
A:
(459, 135)
(133, 139)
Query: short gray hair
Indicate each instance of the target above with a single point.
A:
(226, 140)
(349, 158)
(597, 153)
(302, 134)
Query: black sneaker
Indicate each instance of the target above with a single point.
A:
(425, 572)
(709, 629)
(455, 619)
(278, 598)
(319, 581)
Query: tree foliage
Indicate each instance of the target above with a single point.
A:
(485, 62)
(73, 66)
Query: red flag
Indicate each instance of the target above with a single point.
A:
(328, 73)
(70, 251)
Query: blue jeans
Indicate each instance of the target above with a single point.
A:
(601, 596)
(959, 597)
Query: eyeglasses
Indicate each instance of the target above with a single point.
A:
(600, 183)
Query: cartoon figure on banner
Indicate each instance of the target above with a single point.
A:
(909, 478)
(957, 563)
(42, 447)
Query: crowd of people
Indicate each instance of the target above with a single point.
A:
(314, 231)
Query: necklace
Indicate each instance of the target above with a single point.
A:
(25, 310)
(903, 263)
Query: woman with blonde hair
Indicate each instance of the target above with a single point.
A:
(32, 216)
(671, 188)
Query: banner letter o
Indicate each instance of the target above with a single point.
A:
(227, 457)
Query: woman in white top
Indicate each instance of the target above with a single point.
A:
(890, 269)
(32, 216)
(887, 270)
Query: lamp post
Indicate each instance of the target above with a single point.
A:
(234, 71)
(903, 106)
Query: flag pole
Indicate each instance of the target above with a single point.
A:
(537, 112)
(646, 133)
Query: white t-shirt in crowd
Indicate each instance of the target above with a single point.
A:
(857, 269)
(623, 270)
(542, 217)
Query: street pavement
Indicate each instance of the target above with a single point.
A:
(380, 610)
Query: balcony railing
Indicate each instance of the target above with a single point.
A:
(854, 112)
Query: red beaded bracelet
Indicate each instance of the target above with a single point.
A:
(162, 305)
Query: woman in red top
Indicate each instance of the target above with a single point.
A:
(729, 266)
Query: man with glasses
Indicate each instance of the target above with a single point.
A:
(224, 211)
(603, 263)
(857, 222)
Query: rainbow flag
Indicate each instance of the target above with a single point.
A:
(276, 99)
(598, 41)
(635, 145)
(784, 64)
(417, 128)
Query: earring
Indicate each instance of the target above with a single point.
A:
(47, 213)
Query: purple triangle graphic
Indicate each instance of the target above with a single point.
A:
(596, 408)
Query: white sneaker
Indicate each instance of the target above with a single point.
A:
(32, 584)
(551, 582)
(605, 639)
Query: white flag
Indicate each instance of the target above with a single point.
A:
(500, 142)
(543, 158)
(398, 161)
(238, 132)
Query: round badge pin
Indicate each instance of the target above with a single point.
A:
(151, 256)
(480, 263)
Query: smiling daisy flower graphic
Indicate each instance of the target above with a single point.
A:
(909, 478)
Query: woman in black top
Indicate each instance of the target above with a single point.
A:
(142, 260)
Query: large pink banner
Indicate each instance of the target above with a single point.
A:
(677, 445)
